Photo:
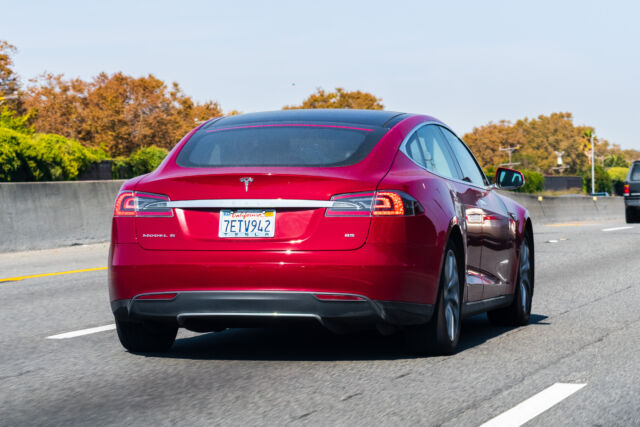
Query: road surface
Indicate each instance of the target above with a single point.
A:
(585, 333)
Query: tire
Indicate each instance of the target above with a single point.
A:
(519, 312)
(143, 337)
(630, 215)
(442, 333)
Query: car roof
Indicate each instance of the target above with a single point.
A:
(378, 118)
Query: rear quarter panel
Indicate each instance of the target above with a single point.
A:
(426, 234)
(521, 215)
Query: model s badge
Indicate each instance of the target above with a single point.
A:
(246, 181)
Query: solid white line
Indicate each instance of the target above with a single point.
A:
(82, 332)
(534, 406)
(616, 228)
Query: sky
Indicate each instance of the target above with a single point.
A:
(464, 62)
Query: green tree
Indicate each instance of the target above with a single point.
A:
(614, 160)
(146, 159)
(10, 163)
(602, 180)
(10, 119)
(49, 157)
(340, 99)
(618, 173)
(533, 182)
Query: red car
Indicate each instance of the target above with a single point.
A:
(349, 218)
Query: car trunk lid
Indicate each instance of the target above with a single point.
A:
(298, 198)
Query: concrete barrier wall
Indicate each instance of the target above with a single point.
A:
(54, 214)
(546, 210)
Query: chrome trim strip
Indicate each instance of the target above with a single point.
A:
(487, 300)
(229, 291)
(253, 203)
(257, 314)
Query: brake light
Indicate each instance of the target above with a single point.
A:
(626, 189)
(388, 203)
(376, 203)
(134, 204)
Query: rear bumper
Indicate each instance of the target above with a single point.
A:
(401, 273)
(211, 310)
(632, 201)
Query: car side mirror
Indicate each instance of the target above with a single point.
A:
(509, 179)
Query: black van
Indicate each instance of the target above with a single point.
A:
(632, 193)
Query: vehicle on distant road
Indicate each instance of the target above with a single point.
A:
(632, 193)
(353, 219)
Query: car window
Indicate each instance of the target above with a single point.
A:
(414, 151)
(437, 157)
(635, 173)
(279, 144)
(469, 166)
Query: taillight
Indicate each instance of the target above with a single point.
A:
(376, 203)
(626, 189)
(389, 203)
(129, 203)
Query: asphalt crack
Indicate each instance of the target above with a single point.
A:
(305, 415)
(19, 374)
(351, 396)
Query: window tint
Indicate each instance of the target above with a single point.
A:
(467, 163)
(279, 145)
(427, 148)
(415, 151)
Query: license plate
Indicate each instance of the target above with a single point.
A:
(247, 223)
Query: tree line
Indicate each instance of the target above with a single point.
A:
(117, 116)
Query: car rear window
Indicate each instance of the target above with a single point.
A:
(280, 145)
(635, 172)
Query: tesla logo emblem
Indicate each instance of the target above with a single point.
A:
(246, 181)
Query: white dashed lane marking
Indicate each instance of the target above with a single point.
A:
(616, 228)
(82, 332)
(534, 406)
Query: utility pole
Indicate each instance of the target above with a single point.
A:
(593, 166)
(510, 150)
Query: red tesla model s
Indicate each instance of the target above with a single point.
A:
(349, 218)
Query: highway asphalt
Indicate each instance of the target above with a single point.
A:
(584, 330)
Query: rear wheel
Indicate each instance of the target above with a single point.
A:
(631, 215)
(519, 312)
(442, 333)
(146, 336)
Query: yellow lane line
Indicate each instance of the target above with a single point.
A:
(33, 276)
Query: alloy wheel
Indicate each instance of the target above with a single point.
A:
(451, 297)
(525, 279)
